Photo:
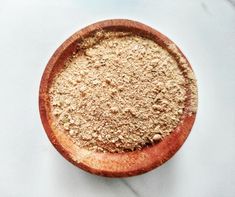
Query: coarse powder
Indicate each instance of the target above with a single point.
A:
(121, 93)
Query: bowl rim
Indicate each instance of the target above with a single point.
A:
(116, 164)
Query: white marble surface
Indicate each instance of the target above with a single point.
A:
(30, 31)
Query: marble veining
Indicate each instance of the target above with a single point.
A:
(30, 33)
(130, 187)
(232, 3)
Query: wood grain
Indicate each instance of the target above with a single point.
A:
(109, 164)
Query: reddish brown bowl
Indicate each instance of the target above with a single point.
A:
(111, 164)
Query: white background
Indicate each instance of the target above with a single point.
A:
(30, 31)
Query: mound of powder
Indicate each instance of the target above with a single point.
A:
(120, 94)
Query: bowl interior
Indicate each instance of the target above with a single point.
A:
(109, 164)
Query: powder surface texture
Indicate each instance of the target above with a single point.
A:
(121, 93)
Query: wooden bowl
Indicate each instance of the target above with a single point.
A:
(111, 164)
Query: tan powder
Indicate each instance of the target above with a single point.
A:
(123, 93)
